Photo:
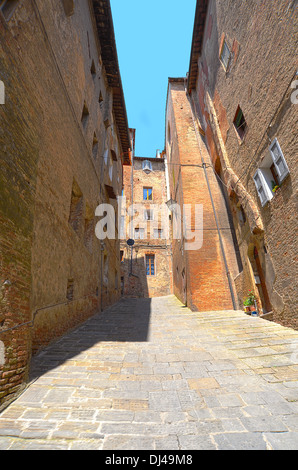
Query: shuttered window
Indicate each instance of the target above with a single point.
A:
(279, 161)
(262, 187)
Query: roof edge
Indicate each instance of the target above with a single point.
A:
(106, 34)
(197, 42)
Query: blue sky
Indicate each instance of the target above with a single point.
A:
(153, 40)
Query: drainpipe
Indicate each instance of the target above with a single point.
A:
(213, 207)
(131, 225)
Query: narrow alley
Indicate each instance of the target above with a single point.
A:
(149, 374)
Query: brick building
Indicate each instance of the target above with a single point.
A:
(64, 140)
(203, 270)
(241, 111)
(146, 268)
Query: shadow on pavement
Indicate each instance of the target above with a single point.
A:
(126, 321)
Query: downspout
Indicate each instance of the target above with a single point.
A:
(131, 225)
(213, 206)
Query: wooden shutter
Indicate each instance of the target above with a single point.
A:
(279, 161)
(263, 191)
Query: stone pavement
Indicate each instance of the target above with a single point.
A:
(150, 374)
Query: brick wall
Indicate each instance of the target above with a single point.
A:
(258, 78)
(56, 168)
(199, 273)
(136, 281)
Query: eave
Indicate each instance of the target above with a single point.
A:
(197, 42)
(105, 29)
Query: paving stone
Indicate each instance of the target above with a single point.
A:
(196, 443)
(264, 424)
(216, 380)
(282, 441)
(240, 441)
(164, 401)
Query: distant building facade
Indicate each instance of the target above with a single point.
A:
(64, 141)
(146, 267)
(241, 97)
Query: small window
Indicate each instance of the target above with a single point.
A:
(7, 7)
(76, 207)
(240, 123)
(139, 234)
(147, 166)
(114, 156)
(94, 146)
(70, 290)
(111, 169)
(241, 215)
(106, 156)
(85, 115)
(68, 7)
(100, 100)
(148, 214)
(150, 265)
(225, 55)
(147, 194)
(158, 233)
(93, 70)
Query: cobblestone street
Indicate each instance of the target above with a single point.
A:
(152, 375)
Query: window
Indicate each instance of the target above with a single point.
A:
(68, 7)
(7, 7)
(241, 215)
(76, 207)
(85, 115)
(148, 214)
(240, 123)
(106, 156)
(139, 234)
(94, 146)
(121, 256)
(150, 265)
(111, 169)
(225, 55)
(101, 102)
(147, 166)
(271, 174)
(69, 290)
(262, 189)
(279, 162)
(93, 70)
(147, 194)
(157, 233)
